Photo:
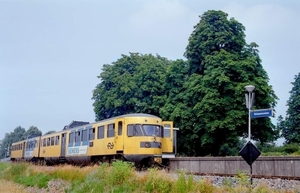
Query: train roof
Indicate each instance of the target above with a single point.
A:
(75, 124)
(130, 115)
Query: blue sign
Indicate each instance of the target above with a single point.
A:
(261, 113)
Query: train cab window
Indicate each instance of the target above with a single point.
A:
(84, 135)
(92, 134)
(120, 127)
(151, 130)
(111, 130)
(57, 140)
(134, 130)
(52, 140)
(100, 132)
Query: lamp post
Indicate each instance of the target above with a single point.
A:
(249, 104)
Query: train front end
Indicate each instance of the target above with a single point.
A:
(144, 140)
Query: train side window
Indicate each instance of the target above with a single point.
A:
(48, 141)
(57, 140)
(84, 135)
(77, 136)
(130, 130)
(120, 127)
(44, 142)
(111, 130)
(101, 132)
(167, 130)
(71, 137)
(52, 140)
(92, 134)
(63, 139)
(167, 133)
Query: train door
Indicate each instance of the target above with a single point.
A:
(23, 149)
(119, 133)
(167, 141)
(63, 144)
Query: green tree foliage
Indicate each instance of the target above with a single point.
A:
(290, 127)
(18, 134)
(33, 131)
(132, 84)
(210, 110)
(204, 95)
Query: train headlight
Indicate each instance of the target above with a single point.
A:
(147, 145)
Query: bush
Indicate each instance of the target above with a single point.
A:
(14, 171)
(116, 178)
(291, 148)
(156, 182)
(182, 184)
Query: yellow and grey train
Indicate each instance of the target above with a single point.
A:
(140, 138)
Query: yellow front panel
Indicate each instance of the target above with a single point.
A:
(133, 143)
(134, 146)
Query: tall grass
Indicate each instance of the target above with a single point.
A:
(121, 177)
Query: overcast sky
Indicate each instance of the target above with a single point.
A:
(51, 52)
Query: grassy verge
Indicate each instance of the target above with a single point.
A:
(120, 177)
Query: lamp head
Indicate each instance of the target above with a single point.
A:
(249, 88)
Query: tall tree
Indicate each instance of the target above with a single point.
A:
(291, 125)
(132, 84)
(220, 64)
